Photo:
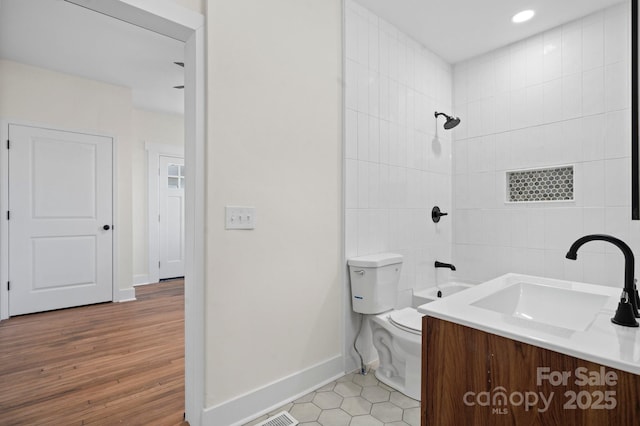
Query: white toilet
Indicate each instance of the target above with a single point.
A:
(396, 333)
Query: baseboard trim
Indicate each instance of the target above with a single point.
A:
(141, 279)
(252, 405)
(126, 295)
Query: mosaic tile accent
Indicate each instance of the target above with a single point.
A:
(551, 184)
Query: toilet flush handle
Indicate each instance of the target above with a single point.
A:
(360, 272)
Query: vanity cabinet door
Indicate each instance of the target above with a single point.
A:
(476, 378)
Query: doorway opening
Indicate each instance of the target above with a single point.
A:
(166, 187)
(186, 26)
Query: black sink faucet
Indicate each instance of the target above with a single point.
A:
(628, 307)
(444, 265)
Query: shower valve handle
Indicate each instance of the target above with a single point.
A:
(436, 214)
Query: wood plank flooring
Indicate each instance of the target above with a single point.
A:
(107, 364)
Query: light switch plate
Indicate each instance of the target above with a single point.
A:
(240, 217)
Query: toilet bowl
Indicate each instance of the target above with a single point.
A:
(396, 333)
(397, 338)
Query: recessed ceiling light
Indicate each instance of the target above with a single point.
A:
(523, 16)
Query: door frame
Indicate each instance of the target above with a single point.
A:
(154, 152)
(170, 19)
(116, 294)
(4, 223)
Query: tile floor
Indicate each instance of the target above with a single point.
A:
(352, 400)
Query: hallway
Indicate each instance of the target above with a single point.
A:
(112, 363)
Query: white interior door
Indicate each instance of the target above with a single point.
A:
(171, 209)
(60, 227)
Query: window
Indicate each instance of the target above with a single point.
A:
(175, 176)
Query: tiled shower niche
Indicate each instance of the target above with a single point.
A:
(535, 185)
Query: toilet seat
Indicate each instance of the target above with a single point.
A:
(407, 319)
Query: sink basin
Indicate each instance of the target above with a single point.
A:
(559, 307)
(568, 317)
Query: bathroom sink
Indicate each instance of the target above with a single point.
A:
(568, 317)
(567, 308)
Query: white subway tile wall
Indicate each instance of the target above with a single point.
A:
(557, 98)
(398, 156)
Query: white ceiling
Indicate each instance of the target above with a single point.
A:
(64, 37)
(461, 29)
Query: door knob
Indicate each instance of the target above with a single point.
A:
(106, 227)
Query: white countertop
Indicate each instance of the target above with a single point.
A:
(599, 340)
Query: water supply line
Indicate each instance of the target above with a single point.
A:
(363, 369)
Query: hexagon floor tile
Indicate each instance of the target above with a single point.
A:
(335, 417)
(352, 400)
(305, 412)
(386, 412)
(327, 400)
(356, 406)
(365, 421)
(375, 394)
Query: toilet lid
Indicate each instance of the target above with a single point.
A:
(407, 319)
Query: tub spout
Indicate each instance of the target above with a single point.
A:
(444, 265)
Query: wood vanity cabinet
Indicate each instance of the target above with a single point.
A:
(471, 377)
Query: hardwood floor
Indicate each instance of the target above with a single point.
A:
(107, 364)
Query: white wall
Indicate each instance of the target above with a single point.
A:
(274, 142)
(195, 5)
(398, 157)
(158, 128)
(561, 97)
(46, 97)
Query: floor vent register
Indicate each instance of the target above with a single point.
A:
(281, 419)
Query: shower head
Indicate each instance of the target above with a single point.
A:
(451, 121)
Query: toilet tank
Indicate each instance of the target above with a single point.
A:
(374, 282)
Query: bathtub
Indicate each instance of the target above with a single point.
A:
(426, 295)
